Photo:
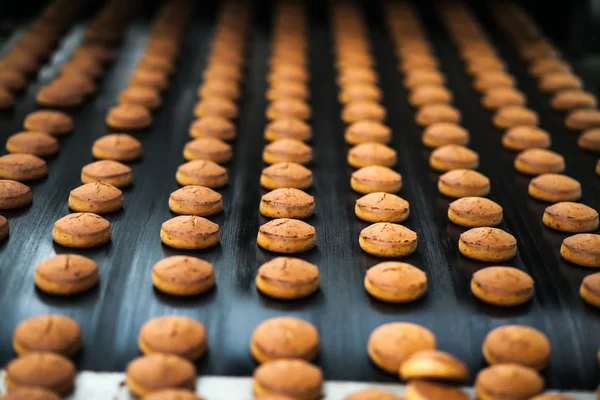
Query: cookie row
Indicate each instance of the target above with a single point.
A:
(32, 48)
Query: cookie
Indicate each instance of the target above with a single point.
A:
(30, 393)
(419, 77)
(589, 140)
(391, 344)
(288, 128)
(287, 203)
(117, 147)
(172, 394)
(371, 394)
(382, 207)
(539, 161)
(492, 79)
(287, 278)
(444, 133)
(183, 276)
(472, 212)
(359, 92)
(82, 66)
(97, 197)
(450, 157)
(375, 178)
(222, 70)
(41, 369)
(463, 183)
(14, 194)
(81, 230)
(522, 138)
(219, 88)
(287, 150)
(357, 75)
(59, 95)
(128, 117)
(545, 66)
(196, 200)
(286, 235)
(571, 217)
(189, 232)
(145, 96)
(517, 344)
(158, 371)
(173, 334)
(288, 108)
(287, 72)
(582, 119)
(366, 132)
(502, 286)
(288, 89)
(107, 171)
(481, 65)
(384, 239)
(499, 97)
(590, 289)
(551, 396)
(213, 126)
(511, 381)
(13, 79)
(553, 188)
(582, 249)
(434, 113)
(47, 333)
(395, 282)
(572, 99)
(371, 153)
(284, 338)
(37, 143)
(208, 148)
(22, 167)
(423, 390)
(429, 94)
(511, 116)
(286, 175)
(216, 107)
(363, 110)
(147, 77)
(296, 379)
(487, 244)
(556, 81)
(203, 173)
(433, 365)
(66, 274)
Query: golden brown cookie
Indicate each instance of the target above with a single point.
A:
(371, 394)
(363, 110)
(287, 72)
(371, 153)
(288, 128)
(30, 393)
(424, 390)
(393, 343)
(539, 161)
(554, 188)
(117, 147)
(582, 249)
(41, 369)
(208, 148)
(146, 77)
(22, 167)
(429, 94)
(288, 89)
(183, 276)
(81, 230)
(107, 171)
(173, 334)
(590, 140)
(463, 182)
(420, 77)
(196, 200)
(189, 232)
(128, 117)
(548, 65)
(366, 132)
(359, 92)
(354, 75)
(499, 97)
(502, 286)
(213, 126)
(60, 95)
(37, 143)
(47, 333)
(145, 96)
(13, 79)
(384, 239)
(433, 364)
(572, 99)
(582, 119)
(472, 212)
(481, 65)
(286, 175)
(511, 116)
(158, 371)
(287, 150)
(216, 107)
(510, 381)
(552, 396)
(172, 394)
(556, 81)
(521, 138)
(287, 203)
(590, 289)
(382, 207)
(202, 172)
(434, 113)
(284, 337)
(492, 79)
(375, 178)
(395, 282)
(14, 194)
(286, 235)
(96, 197)
(297, 379)
(487, 244)
(451, 156)
(66, 274)
(287, 278)
(288, 108)
(517, 344)
(571, 217)
(54, 123)
(444, 133)
(225, 88)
